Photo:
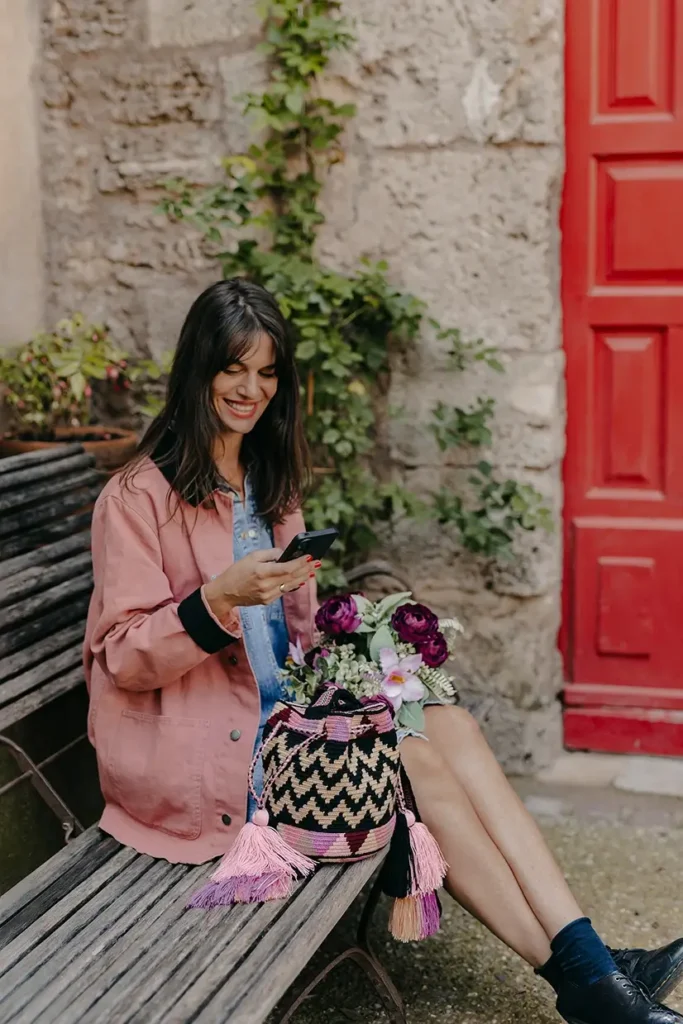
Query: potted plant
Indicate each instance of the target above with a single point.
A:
(52, 386)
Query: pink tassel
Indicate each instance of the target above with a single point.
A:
(261, 866)
(427, 865)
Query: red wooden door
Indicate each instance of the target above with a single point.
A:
(622, 224)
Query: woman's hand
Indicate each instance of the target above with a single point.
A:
(257, 579)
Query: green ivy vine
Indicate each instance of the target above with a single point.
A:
(345, 324)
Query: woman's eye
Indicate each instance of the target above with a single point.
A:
(268, 374)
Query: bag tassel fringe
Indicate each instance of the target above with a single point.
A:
(414, 870)
(259, 867)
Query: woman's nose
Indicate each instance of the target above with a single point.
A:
(251, 387)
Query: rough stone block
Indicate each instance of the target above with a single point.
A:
(472, 232)
(88, 25)
(241, 73)
(156, 91)
(431, 72)
(183, 23)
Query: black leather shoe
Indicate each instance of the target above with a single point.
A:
(658, 971)
(613, 1000)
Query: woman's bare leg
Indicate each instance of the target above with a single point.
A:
(479, 877)
(456, 736)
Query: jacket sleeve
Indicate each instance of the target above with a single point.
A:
(142, 638)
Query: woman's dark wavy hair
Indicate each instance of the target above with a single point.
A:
(221, 327)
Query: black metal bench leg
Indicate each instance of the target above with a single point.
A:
(70, 822)
(362, 955)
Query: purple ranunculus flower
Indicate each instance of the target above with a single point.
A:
(434, 650)
(414, 623)
(338, 615)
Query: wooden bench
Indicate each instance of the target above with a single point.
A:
(45, 584)
(100, 933)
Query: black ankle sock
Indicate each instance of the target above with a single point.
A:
(551, 972)
(579, 956)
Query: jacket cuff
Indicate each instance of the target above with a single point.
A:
(203, 627)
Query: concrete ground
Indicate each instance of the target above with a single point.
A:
(622, 854)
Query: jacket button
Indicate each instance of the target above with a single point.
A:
(226, 819)
(233, 659)
(235, 735)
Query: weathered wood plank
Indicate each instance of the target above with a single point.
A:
(58, 665)
(51, 531)
(130, 949)
(21, 477)
(195, 944)
(31, 632)
(20, 521)
(38, 578)
(40, 457)
(26, 901)
(93, 895)
(41, 651)
(46, 554)
(21, 611)
(287, 947)
(25, 706)
(46, 972)
(36, 493)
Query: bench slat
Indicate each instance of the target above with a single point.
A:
(43, 650)
(32, 498)
(287, 947)
(68, 953)
(25, 706)
(40, 456)
(97, 892)
(48, 511)
(31, 606)
(40, 890)
(127, 952)
(193, 947)
(21, 477)
(61, 527)
(24, 636)
(38, 579)
(60, 664)
(47, 554)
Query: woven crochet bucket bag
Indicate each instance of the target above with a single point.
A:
(332, 792)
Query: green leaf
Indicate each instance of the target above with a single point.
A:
(382, 638)
(388, 605)
(411, 716)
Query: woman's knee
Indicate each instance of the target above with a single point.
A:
(452, 725)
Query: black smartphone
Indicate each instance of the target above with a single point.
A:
(315, 543)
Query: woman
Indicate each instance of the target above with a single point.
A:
(190, 621)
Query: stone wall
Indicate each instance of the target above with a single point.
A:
(453, 174)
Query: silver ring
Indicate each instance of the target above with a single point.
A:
(282, 588)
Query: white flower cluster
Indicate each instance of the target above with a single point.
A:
(452, 630)
(353, 671)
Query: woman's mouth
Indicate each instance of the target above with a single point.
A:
(242, 410)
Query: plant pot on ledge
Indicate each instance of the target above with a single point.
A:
(112, 447)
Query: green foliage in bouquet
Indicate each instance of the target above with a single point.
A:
(395, 647)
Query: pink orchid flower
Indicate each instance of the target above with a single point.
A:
(400, 682)
(296, 652)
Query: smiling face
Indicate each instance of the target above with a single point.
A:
(243, 391)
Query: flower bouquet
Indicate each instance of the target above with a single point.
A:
(394, 647)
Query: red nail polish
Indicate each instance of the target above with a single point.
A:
(318, 565)
(309, 558)
(311, 574)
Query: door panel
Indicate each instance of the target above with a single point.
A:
(622, 223)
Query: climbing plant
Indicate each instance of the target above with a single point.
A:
(261, 222)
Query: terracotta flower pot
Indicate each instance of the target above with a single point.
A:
(111, 446)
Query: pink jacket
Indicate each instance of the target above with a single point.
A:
(174, 705)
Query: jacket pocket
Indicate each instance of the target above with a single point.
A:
(155, 766)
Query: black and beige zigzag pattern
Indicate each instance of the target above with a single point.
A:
(332, 786)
